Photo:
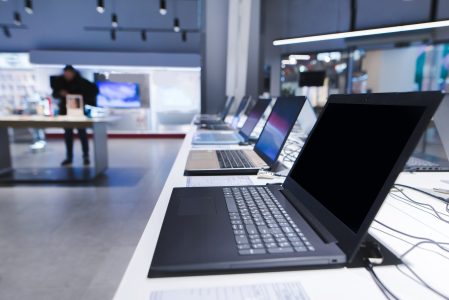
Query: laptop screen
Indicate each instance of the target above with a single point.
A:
(242, 105)
(278, 126)
(350, 154)
(227, 107)
(254, 116)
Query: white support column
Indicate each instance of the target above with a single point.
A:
(213, 54)
(243, 47)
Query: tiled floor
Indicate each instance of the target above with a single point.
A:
(75, 241)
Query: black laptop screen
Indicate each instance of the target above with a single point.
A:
(350, 154)
(254, 117)
(278, 126)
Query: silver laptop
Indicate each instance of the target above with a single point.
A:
(307, 118)
(423, 162)
(233, 137)
(265, 153)
(218, 118)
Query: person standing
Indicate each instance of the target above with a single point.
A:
(71, 82)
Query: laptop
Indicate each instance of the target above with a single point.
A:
(214, 119)
(423, 162)
(320, 215)
(235, 119)
(307, 118)
(266, 150)
(233, 137)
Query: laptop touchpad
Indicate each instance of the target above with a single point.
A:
(197, 206)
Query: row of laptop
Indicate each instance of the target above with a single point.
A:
(268, 146)
(320, 215)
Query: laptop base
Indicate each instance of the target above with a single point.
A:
(389, 259)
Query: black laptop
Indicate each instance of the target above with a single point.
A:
(218, 118)
(216, 137)
(322, 212)
(235, 118)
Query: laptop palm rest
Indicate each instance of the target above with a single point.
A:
(197, 207)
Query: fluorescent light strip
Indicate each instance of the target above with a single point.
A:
(359, 33)
(299, 56)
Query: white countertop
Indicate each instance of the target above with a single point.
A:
(340, 283)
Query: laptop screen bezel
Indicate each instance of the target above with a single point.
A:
(270, 162)
(264, 103)
(349, 240)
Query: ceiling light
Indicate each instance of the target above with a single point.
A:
(114, 20)
(6, 31)
(359, 33)
(100, 6)
(17, 18)
(323, 57)
(299, 57)
(29, 7)
(176, 27)
(113, 35)
(288, 62)
(143, 35)
(184, 36)
(162, 7)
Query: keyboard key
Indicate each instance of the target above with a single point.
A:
(268, 240)
(297, 244)
(251, 229)
(280, 250)
(263, 229)
(256, 241)
(300, 249)
(271, 245)
(252, 251)
(287, 229)
(278, 235)
(243, 246)
(275, 230)
(241, 239)
(281, 239)
(231, 205)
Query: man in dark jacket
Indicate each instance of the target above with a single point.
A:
(71, 82)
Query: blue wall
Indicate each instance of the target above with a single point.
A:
(58, 25)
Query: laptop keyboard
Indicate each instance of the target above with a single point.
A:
(261, 225)
(233, 159)
(418, 162)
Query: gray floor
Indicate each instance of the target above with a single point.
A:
(74, 242)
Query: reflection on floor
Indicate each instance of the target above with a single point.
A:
(74, 242)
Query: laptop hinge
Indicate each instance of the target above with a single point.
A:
(325, 235)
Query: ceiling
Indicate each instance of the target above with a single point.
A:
(59, 25)
(296, 18)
